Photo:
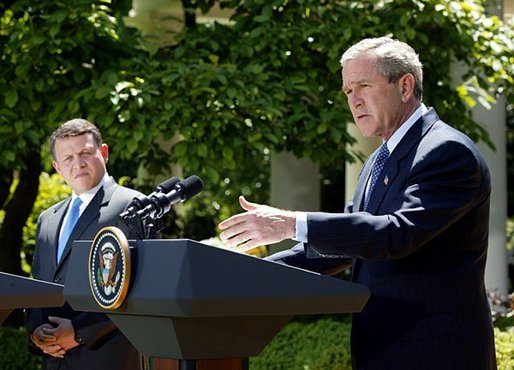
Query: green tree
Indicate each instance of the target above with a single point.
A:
(51, 51)
(269, 81)
(233, 93)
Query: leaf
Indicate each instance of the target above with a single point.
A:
(7, 156)
(212, 174)
(11, 98)
(228, 153)
(102, 92)
(54, 30)
(180, 149)
(202, 149)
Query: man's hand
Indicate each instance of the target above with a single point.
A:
(260, 225)
(47, 342)
(55, 340)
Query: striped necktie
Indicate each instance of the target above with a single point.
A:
(380, 161)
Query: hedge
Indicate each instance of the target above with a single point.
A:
(306, 343)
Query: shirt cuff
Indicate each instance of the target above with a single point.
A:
(301, 227)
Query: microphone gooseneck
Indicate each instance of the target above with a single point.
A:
(144, 214)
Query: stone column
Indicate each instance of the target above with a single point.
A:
(295, 185)
(365, 145)
(494, 121)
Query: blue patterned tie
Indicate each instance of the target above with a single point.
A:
(380, 161)
(68, 228)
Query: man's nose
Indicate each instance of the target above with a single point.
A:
(355, 100)
(78, 162)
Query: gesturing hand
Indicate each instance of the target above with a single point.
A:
(260, 225)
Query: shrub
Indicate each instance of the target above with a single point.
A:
(13, 351)
(308, 343)
(52, 189)
(504, 341)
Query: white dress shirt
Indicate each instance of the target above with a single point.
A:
(86, 198)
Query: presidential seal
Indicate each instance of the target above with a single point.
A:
(109, 267)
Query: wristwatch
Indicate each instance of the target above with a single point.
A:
(79, 340)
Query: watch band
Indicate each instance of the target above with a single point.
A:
(79, 340)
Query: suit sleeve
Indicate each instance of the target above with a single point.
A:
(296, 257)
(92, 328)
(34, 316)
(442, 186)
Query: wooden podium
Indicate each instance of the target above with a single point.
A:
(206, 306)
(21, 292)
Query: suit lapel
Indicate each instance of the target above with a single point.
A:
(53, 233)
(90, 214)
(360, 188)
(393, 169)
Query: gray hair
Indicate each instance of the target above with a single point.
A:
(394, 59)
(76, 127)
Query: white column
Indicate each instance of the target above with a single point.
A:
(366, 146)
(295, 185)
(494, 121)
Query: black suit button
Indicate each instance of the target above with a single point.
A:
(56, 280)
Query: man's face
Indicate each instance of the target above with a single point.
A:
(376, 104)
(80, 161)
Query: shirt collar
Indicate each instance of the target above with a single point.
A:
(88, 196)
(402, 130)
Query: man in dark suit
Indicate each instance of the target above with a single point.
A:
(416, 230)
(69, 339)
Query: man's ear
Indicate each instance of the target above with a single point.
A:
(56, 167)
(104, 149)
(406, 85)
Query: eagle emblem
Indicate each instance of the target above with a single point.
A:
(109, 267)
(107, 260)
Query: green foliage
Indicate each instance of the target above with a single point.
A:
(230, 94)
(510, 234)
(309, 343)
(50, 51)
(234, 93)
(504, 342)
(52, 189)
(322, 342)
(13, 351)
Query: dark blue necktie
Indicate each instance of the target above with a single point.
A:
(68, 228)
(380, 161)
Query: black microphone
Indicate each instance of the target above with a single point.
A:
(142, 201)
(160, 203)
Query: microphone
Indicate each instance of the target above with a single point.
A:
(142, 201)
(160, 203)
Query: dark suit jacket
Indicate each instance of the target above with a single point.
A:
(421, 249)
(105, 347)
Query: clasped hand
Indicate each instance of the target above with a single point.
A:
(260, 225)
(55, 340)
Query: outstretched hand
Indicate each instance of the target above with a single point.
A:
(259, 225)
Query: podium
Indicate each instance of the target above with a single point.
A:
(191, 301)
(21, 292)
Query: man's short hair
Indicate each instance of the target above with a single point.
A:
(76, 127)
(394, 59)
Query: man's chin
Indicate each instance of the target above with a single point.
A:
(82, 187)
